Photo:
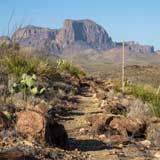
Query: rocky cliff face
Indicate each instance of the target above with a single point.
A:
(77, 34)
(135, 47)
(36, 37)
(85, 33)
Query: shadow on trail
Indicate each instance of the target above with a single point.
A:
(87, 145)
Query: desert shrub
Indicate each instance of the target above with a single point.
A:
(3, 45)
(139, 108)
(147, 94)
(46, 69)
(18, 63)
(156, 106)
(117, 86)
(68, 67)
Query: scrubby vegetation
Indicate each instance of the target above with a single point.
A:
(17, 64)
(34, 74)
(146, 93)
(68, 67)
(54, 90)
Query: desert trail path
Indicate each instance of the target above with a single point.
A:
(75, 127)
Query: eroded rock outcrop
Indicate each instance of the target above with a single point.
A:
(84, 33)
(35, 37)
(135, 47)
(74, 35)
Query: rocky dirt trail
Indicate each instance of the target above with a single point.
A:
(101, 124)
(76, 128)
(98, 146)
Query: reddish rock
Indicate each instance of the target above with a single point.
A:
(83, 30)
(127, 126)
(36, 125)
(117, 128)
(39, 108)
(30, 124)
(98, 123)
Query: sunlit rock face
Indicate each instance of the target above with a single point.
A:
(84, 33)
(74, 34)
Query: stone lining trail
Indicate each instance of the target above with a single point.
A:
(75, 128)
(96, 146)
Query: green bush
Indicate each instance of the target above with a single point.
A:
(18, 63)
(146, 94)
(68, 67)
(45, 68)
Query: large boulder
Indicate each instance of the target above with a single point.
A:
(97, 123)
(36, 123)
(128, 127)
(117, 128)
(30, 124)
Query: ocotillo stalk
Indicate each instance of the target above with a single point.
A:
(123, 67)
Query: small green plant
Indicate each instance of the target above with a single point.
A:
(27, 85)
(68, 67)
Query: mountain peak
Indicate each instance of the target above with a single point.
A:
(83, 33)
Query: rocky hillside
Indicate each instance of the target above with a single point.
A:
(74, 116)
(36, 37)
(75, 34)
(135, 47)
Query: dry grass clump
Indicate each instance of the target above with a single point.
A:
(140, 110)
(146, 94)
(68, 67)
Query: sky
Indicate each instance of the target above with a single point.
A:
(137, 20)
